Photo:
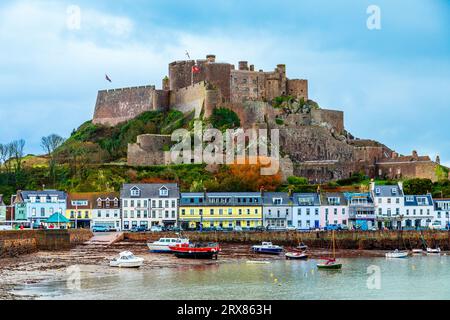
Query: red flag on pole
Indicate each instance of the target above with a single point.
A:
(195, 69)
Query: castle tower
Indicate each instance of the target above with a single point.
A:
(166, 83)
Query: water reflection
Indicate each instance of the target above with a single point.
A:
(421, 277)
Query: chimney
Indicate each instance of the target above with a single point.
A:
(252, 67)
(211, 58)
(243, 65)
(372, 185)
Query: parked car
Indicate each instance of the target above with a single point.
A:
(100, 229)
(291, 228)
(237, 229)
(260, 228)
(156, 229)
(139, 229)
(332, 227)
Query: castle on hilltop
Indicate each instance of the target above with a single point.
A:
(314, 141)
(185, 90)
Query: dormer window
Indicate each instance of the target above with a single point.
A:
(99, 202)
(334, 200)
(409, 199)
(32, 199)
(377, 190)
(277, 201)
(164, 192)
(422, 201)
(394, 190)
(135, 192)
(43, 199)
(116, 202)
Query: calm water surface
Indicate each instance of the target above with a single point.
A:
(423, 277)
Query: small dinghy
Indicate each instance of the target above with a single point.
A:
(126, 259)
(267, 248)
(296, 256)
(397, 254)
(331, 264)
(433, 251)
(257, 262)
(417, 251)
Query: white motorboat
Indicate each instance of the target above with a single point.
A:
(126, 259)
(163, 244)
(397, 254)
(436, 250)
(268, 248)
(417, 251)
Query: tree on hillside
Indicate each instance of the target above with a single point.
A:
(418, 186)
(49, 144)
(17, 148)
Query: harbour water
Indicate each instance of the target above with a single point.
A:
(417, 277)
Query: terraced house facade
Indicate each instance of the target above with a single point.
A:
(221, 210)
(148, 205)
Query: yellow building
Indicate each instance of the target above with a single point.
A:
(226, 210)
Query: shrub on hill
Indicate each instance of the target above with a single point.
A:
(223, 119)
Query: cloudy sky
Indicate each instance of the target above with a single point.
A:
(392, 83)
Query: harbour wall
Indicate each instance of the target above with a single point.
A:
(14, 243)
(355, 240)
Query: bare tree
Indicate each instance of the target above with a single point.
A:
(17, 148)
(49, 144)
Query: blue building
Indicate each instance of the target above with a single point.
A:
(361, 209)
(306, 211)
(38, 206)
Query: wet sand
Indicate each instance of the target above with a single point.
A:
(93, 260)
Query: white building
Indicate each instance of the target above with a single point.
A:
(149, 205)
(306, 211)
(277, 210)
(333, 210)
(106, 211)
(418, 212)
(441, 212)
(389, 204)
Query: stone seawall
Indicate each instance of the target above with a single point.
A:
(14, 243)
(369, 240)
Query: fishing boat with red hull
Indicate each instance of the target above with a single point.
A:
(196, 250)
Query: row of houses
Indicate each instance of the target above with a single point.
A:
(148, 205)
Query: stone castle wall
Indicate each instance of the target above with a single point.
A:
(119, 105)
(334, 118)
(188, 99)
(149, 150)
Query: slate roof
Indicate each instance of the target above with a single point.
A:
(314, 196)
(43, 193)
(387, 191)
(414, 201)
(150, 190)
(324, 198)
(269, 196)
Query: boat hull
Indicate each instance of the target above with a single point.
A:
(134, 264)
(293, 256)
(196, 255)
(267, 250)
(334, 266)
(158, 248)
(396, 255)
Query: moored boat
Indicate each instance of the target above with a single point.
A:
(397, 254)
(417, 251)
(163, 244)
(330, 264)
(296, 256)
(302, 247)
(126, 259)
(267, 248)
(433, 251)
(196, 250)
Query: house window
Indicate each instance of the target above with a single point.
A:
(277, 201)
(42, 212)
(183, 212)
(163, 192)
(135, 192)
